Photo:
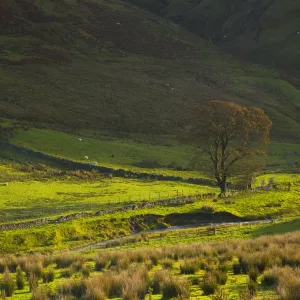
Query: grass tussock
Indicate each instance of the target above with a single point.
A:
(168, 271)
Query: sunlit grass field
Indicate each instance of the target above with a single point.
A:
(50, 197)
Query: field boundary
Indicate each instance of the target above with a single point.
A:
(61, 219)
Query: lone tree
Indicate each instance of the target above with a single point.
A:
(225, 133)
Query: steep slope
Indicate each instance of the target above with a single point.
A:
(109, 65)
(265, 31)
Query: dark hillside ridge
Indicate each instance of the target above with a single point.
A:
(112, 66)
(265, 31)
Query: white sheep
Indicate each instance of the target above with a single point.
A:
(79, 139)
(95, 163)
(86, 157)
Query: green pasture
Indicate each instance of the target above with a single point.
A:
(165, 152)
(49, 197)
(70, 196)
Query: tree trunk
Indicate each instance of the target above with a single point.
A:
(222, 185)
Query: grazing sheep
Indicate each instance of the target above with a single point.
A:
(86, 157)
(79, 139)
(95, 163)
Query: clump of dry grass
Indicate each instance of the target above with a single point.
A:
(130, 284)
(40, 294)
(287, 280)
(66, 260)
(167, 263)
(189, 266)
(173, 287)
(7, 284)
(33, 281)
(170, 286)
(73, 287)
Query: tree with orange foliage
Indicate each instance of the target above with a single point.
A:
(225, 133)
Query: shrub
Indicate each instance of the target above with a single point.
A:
(7, 284)
(76, 266)
(196, 281)
(203, 265)
(66, 260)
(252, 287)
(158, 277)
(40, 294)
(223, 268)
(245, 294)
(220, 295)
(173, 287)
(209, 285)
(48, 276)
(288, 282)
(72, 287)
(35, 268)
(149, 265)
(154, 260)
(20, 279)
(67, 273)
(100, 265)
(208, 209)
(146, 163)
(136, 286)
(221, 277)
(86, 272)
(253, 273)
(190, 266)
(237, 269)
(33, 282)
(269, 278)
(95, 291)
(167, 263)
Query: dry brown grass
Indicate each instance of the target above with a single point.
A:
(288, 282)
(125, 273)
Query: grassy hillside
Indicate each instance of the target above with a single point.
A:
(109, 65)
(160, 154)
(264, 31)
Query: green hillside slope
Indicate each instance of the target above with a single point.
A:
(266, 31)
(111, 66)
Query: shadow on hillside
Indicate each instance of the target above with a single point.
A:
(279, 228)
